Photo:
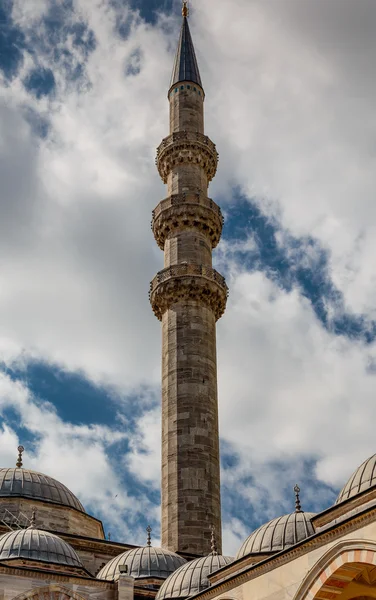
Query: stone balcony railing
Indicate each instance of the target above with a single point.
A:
(189, 198)
(186, 147)
(183, 282)
(187, 211)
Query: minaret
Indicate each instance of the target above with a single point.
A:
(188, 296)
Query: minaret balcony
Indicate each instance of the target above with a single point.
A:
(185, 147)
(184, 282)
(187, 211)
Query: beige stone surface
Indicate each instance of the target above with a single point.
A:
(284, 581)
(55, 517)
(187, 108)
(39, 586)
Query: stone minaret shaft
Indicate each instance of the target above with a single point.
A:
(188, 296)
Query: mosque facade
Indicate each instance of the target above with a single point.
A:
(52, 549)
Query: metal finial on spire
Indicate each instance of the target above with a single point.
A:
(149, 530)
(33, 520)
(213, 542)
(185, 9)
(19, 459)
(298, 507)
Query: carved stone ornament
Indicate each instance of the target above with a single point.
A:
(188, 282)
(185, 211)
(187, 147)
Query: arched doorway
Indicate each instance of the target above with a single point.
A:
(346, 572)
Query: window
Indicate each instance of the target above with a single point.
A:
(182, 87)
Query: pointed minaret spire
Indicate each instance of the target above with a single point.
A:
(185, 66)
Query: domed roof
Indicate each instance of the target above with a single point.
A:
(146, 561)
(192, 577)
(278, 534)
(363, 478)
(30, 484)
(34, 544)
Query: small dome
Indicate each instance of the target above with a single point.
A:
(34, 544)
(278, 534)
(363, 478)
(30, 484)
(192, 577)
(143, 562)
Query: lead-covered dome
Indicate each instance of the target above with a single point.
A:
(278, 534)
(146, 561)
(192, 577)
(19, 482)
(36, 545)
(363, 478)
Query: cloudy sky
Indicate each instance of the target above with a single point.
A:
(290, 103)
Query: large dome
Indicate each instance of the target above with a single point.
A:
(30, 484)
(192, 577)
(34, 544)
(143, 562)
(363, 478)
(278, 534)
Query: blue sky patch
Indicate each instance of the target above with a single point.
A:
(300, 262)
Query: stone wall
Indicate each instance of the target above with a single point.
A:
(15, 585)
(54, 517)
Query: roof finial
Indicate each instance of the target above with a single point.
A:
(149, 530)
(19, 459)
(185, 9)
(298, 507)
(213, 541)
(33, 520)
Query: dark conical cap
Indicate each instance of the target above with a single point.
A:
(185, 66)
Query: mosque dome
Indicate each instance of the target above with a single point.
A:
(192, 577)
(280, 533)
(25, 483)
(146, 561)
(34, 544)
(362, 479)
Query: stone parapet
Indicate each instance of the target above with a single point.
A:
(187, 147)
(188, 282)
(187, 211)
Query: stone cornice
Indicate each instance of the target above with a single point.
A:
(248, 572)
(55, 576)
(188, 282)
(340, 510)
(186, 147)
(184, 211)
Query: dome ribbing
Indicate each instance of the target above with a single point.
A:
(363, 478)
(192, 577)
(143, 562)
(278, 534)
(34, 544)
(30, 484)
